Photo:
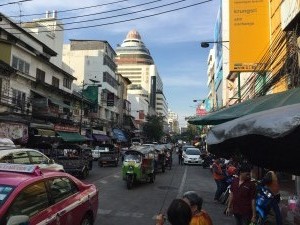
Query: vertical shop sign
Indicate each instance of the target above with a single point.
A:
(110, 99)
(249, 34)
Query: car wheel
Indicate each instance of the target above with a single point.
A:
(87, 220)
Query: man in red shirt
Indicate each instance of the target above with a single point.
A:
(219, 178)
(242, 197)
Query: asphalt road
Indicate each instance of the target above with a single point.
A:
(119, 206)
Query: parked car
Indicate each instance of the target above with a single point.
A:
(29, 156)
(31, 196)
(110, 157)
(192, 156)
(96, 152)
(6, 143)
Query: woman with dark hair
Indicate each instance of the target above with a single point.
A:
(179, 213)
(200, 217)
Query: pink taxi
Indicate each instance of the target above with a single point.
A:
(31, 196)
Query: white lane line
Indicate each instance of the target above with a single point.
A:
(104, 211)
(137, 215)
(103, 181)
(180, 190)
(123, 214)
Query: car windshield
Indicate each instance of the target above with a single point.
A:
(132, 157)
(192, 152)
(5, 191)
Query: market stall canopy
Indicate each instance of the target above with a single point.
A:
(248, 107)
(119, 135)
(71, 136)
(101, 137)
(269, 138)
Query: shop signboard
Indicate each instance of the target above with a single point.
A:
(110, 99)
(249, 34)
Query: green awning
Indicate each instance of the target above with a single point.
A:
(248, 107)
(46, 132)
(71, 136)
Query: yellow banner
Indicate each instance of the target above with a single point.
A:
(249, 34)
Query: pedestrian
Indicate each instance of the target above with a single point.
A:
(242, 197)
(270, 180)
(200, 217)
(180, 155)
(178, 213)
(219, 178)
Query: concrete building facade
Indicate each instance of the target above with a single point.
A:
(146, 90)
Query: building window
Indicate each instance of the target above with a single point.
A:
(55, 82)
(110, 63)
(20, 65)
(18, 98)
(67, 83)
(110, 80)
(40, 75)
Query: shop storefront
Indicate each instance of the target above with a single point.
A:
(14, 128)
(69, 133)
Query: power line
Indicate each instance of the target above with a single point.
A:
(10, 3)
(127, 20)
(75, 9)
(124, 14)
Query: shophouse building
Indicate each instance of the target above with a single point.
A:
(92, 63)
(37, 98)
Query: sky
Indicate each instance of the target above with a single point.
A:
(172, 36)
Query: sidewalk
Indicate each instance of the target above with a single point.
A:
(202, 182)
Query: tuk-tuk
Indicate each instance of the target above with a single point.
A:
(160, 158)
(138, 166)
(76, 160)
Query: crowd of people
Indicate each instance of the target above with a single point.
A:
(244, 201)
(186, 211)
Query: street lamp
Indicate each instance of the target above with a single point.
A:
(205, 44)
(81, 105)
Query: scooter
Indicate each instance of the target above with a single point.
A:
(263, 201)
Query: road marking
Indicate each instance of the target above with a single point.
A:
(103, 181)
(104, 211)
(137, 215)
(116, 176)
(180, 190)
(123, 214)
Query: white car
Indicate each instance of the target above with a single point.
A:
(97, 151)
(29, 156)
(192, 156)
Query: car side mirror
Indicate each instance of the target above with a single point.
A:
(18, 220)
(51, 161)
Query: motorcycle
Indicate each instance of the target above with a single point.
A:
(263, 201)
(207, 160)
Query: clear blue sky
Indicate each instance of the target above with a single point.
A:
(173, 38)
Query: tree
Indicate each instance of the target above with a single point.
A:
(191, 133)
(153, 128)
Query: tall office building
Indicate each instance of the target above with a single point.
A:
(135, 62)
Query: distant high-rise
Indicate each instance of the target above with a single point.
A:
(135, 62)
